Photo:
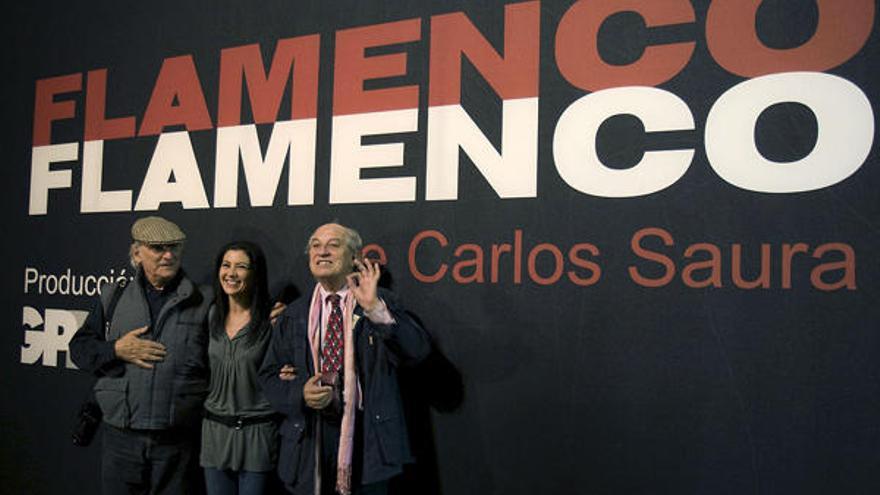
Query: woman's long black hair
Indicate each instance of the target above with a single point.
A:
(260, 300)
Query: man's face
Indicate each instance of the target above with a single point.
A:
(159, 261)
(329, 258)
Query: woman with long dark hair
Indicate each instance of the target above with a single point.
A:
(239, 447)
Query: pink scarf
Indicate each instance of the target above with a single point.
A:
(350, 395)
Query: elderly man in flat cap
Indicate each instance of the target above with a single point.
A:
(147, 343)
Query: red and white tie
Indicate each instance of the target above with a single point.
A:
(333, 343)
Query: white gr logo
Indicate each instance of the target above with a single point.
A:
(58, 327)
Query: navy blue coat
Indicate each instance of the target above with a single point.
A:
(381, 350)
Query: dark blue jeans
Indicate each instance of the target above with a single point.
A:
(149, 462)
(228, 482)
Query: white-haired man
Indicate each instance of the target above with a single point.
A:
(150, 356)
(331, 371)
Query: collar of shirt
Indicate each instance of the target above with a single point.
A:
(156, 298)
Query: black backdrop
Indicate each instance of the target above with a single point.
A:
(538, 384)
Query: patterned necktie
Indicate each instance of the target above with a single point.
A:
(333, 341)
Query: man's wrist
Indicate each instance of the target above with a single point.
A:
(377, 305)
(379, 313)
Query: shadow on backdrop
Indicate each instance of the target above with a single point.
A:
(436, 384)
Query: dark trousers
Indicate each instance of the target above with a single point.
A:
(330, 447)
(330, 430)
(229, 482)
(136, 462)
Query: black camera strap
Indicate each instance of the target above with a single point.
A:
(89, 415)
(118, 289)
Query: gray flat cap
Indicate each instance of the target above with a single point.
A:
(156, 230)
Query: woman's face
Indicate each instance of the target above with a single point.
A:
(236, 273)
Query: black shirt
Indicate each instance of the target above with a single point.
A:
(156, 298)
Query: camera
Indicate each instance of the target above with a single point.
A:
(88, 420)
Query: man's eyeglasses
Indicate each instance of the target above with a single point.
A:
(161, 248)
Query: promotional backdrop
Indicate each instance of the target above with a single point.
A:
(641, 233)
